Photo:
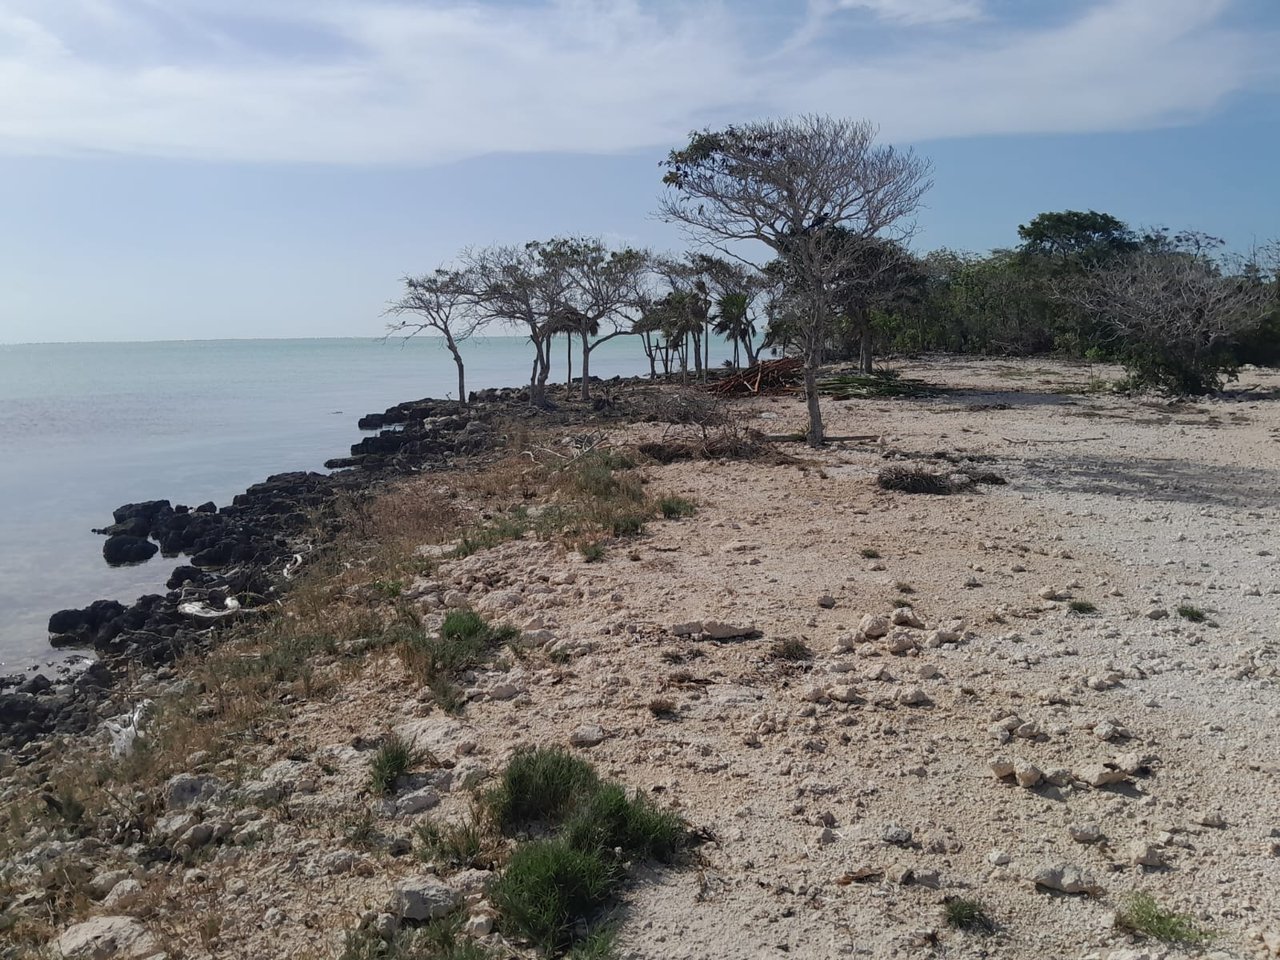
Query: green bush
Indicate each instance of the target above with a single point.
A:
(550, 886)
(674, 507)
(391, 761)
(610, 821)
(1142, 914)
(541, 786)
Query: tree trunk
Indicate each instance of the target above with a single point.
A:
(586, 368)
(816, 435)
(697, 355)
(706, 352)
(649, 352)
(865, 349)
(462, 381)
(541, 370)
(568, 358)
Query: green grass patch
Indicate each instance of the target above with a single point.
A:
(971, 915)
(540, 786)
(1083, 607)
(391, 761)
(1194, 614)
(465, 641)
(1141, 913)
(456, 846)
(593, 551)
(883, 383)
(550, 886)
(441, 939)
(611, 820)
(674, 508)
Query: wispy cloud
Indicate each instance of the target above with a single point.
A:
(377, 81)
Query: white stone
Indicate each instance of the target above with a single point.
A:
(422, 898)
(873, 627)
(103, 938)
(587, 735)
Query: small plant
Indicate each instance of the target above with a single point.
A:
(540, 786)
(456, 845)
(674, 508)
(597, 945)
(905, 589)
(869, 553)
(1142, 914)
(969, 915)
(360, 831)
(391, 761)
(465, 641)
(389, 588)
(1082, 607)
(790, 649)
(610, 821)
(592, 551)
(662, 707)
(627, 524)
(1187, 612)
(549, 887)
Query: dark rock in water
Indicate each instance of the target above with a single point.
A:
(37, 684)
(184, 573)
(207, 507)
(122, 549)
(80, 627)
(133, 527)
(148, 510)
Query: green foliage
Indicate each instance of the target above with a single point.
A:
(1082, 607)
(1142, 914)
(465, 641)
(550, 886)
(456, 845)
(390, 761)
(597, 945)
(1187, 612)
(593, 551)
(968, 915)
(674, 507)
(609, 820)
(440, 939)
(883, 383)
(541, 786)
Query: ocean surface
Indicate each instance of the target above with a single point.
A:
(85, 427)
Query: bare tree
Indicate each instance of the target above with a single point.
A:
(784, 183)
(1176, 313)
(441, 303)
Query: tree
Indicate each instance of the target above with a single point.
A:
(786, 184)
(440, 302)
(1177, 315)
(1074, 235)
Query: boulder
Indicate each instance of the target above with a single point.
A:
(122, 549)
(1066, 878)
(422, 898)
(103, 938)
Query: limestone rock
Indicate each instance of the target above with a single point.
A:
(1066, 878)
(422, 898)
(872, 627)
(103, 938)
(1026, 774)
(717, 630)
(906, 617)
(1143, 854)
(587, 735)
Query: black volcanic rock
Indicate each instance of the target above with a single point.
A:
(122, 549)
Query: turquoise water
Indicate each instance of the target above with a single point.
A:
(85, 427)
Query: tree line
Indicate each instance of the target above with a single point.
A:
(831, 210)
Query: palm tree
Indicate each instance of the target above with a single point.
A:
(733, 320)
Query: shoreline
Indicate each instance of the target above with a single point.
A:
(872, 703)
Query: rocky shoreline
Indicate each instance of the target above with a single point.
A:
(235, 557)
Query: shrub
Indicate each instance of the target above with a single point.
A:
(674, 507)
(1194, 614)
(1142, 914)
(610, 820)
(456, 845)
(967, 915)
(592, 551)
(1082, 607)
(869, 553)
(790, 649)
(549, 887)
(391, 761)
(540, 786)
(662, 707)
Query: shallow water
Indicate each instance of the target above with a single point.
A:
(85, 427)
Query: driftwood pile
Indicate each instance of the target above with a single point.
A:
(768, 378)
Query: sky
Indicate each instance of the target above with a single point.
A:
(191, 169)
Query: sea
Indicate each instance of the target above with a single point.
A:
(85, 427)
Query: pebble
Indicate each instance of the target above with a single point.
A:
(1066, 878)
(587, 735)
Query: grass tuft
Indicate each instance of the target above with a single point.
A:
(540, 787)
(465, 641)
(913, 480)
(1194, 614)
(1082, 607)
(593, 551)
(550, 886)
(391, 761)
(673, 507)
(971, 915)
(790, 649)
(609, 820)
(662, 707)
(1142, 914)
(457, 846)
(869, 553)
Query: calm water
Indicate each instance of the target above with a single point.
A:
(86, 427)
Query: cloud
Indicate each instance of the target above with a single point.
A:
(378, 82)
(918, 11)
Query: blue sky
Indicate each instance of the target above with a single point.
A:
(227, 168)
